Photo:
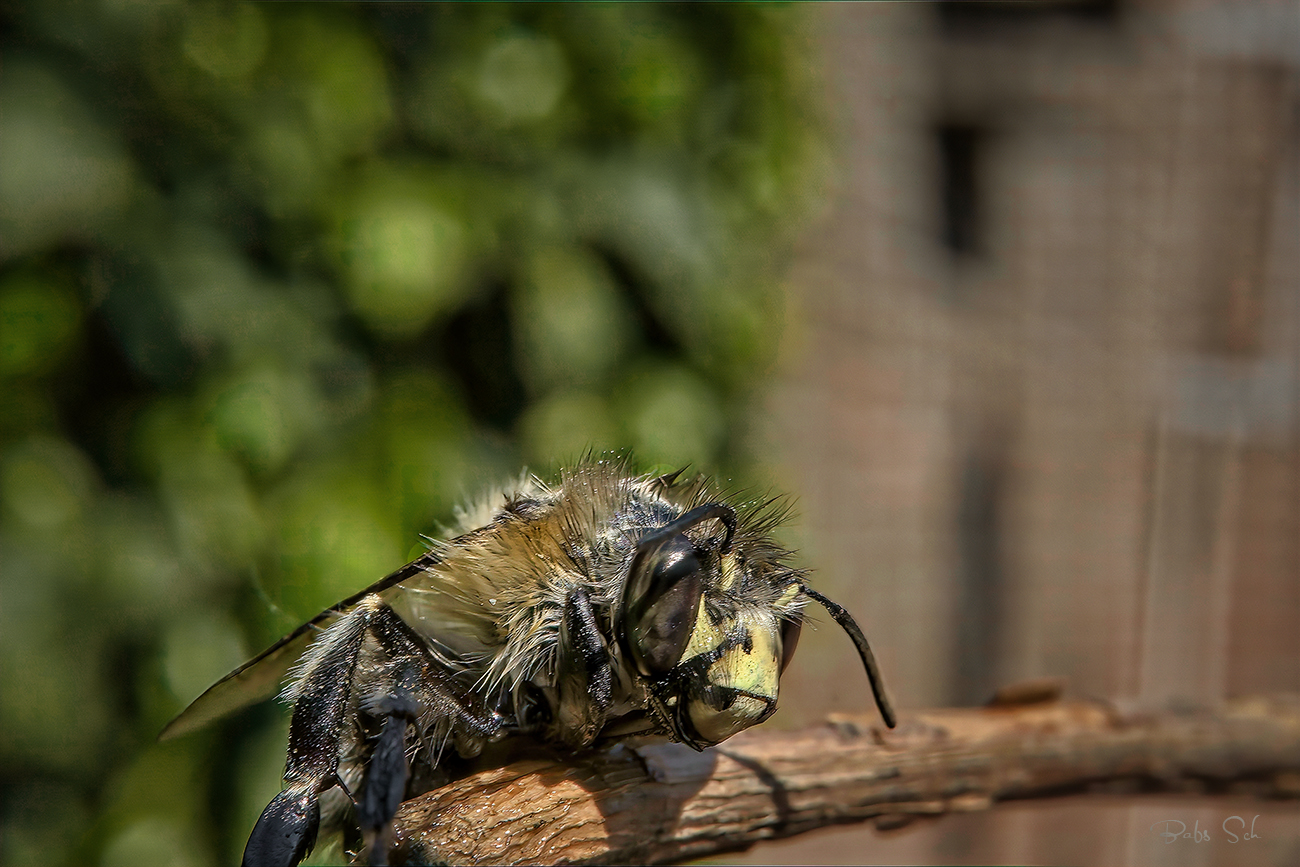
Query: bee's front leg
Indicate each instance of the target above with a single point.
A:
(584, 673)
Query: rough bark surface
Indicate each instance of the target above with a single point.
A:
(659, 803)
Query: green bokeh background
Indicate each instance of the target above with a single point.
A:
(281, 284)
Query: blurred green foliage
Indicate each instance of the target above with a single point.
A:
(280, 284)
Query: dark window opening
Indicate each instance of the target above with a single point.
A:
(970, 16)
(959, 189)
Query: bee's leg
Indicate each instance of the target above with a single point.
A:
(286, 831)
(415, 684)
(585, 675)
(386, 775)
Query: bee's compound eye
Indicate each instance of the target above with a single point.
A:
(790, 629)
(661, 603)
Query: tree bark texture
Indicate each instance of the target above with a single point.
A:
(659, 803)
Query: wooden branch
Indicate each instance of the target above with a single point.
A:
(658, 803)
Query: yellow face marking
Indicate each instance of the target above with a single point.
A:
(755, 673)
(715, 726)
(704, 635)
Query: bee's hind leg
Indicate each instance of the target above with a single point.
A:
(286, 831)
(415, 683)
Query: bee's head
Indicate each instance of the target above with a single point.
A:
(712, 657)
(711, 648)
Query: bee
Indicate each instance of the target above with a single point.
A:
(604, 606)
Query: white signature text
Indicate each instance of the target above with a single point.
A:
(1172, 830)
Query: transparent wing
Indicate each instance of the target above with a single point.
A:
(260, 677)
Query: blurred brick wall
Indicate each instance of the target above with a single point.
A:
(1042, 394)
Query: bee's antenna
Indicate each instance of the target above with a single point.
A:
(846, 622)
(700, 514)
